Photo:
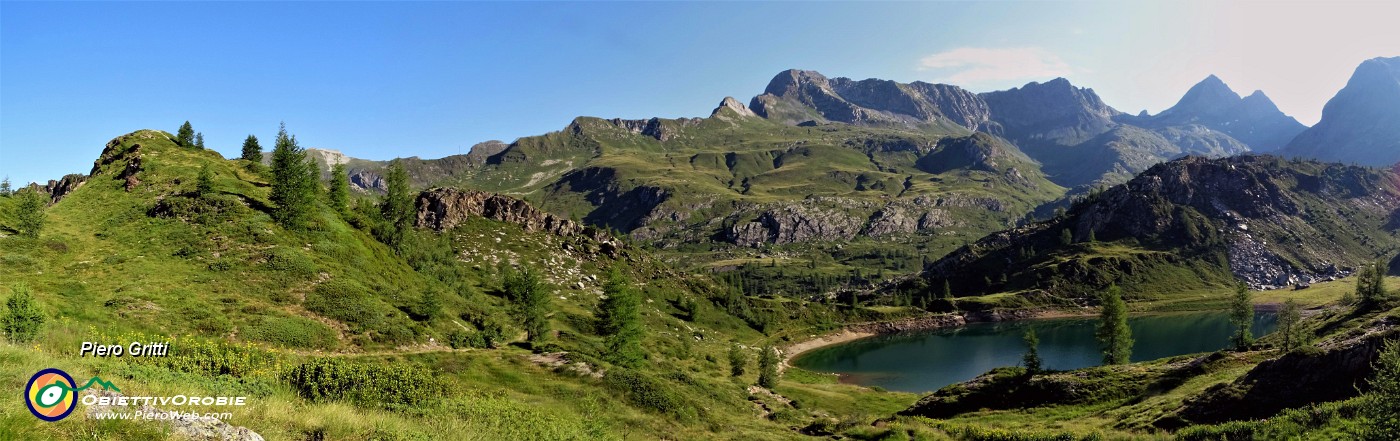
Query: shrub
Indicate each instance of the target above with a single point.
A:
(329, 379)
(294, 332)
(22, 318)
(290, 261)
(342, 300)
(646, 392)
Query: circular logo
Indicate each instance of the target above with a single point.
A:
(50, 395)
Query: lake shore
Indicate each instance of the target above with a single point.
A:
(857, 331)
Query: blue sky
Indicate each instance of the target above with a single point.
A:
(381, 80)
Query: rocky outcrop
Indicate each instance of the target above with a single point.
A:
(1296, 379)
(795, 223)
(1360, 125)
(731, 105)
(62, 187)
(123, 162)
(442, 209)
(661, 130)
(368, 181)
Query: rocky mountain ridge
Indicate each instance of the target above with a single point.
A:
(1260, 219)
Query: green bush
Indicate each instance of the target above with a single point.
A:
(329, 379)
(343, 300)
(294, 332)
(22, 318)
(647, 392)
(290, 261)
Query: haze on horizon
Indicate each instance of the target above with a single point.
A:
(380, 80)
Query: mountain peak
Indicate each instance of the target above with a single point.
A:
(1357, 124)
(734, 105)
(1210, 95)
(789, 81)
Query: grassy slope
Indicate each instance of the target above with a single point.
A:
(739, 166)
(107, 269)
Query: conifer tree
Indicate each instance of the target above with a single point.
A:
(619, 320)
(1381, 407)
(526, 289)
(199, 140)
(1289, 321)
(252, 151)
(204, 185)
(5, 189)
(30, 211)
(185, 135)
(1241, 317)
(1032, 357)
(1113, 333)
(339, 193)
(22, 318)
(768, 368)
(292, 187)
(397, 207)
(738, 362)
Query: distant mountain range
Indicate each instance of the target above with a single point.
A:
(818, 159)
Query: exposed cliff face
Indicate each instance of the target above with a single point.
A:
(1360, 125)
(442, 209)
(662, 130)
(1267, 221)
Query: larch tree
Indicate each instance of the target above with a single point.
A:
(1241, 317)
(293, 189)
(1115, 338)
(185, 135)
(252, 151)
(339, 192)
(620, 321)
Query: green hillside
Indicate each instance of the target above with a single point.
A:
(245, 302)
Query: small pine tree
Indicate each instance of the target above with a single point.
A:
(204, 185)
(768, 368)
(397, 207)
(1066, 238)
(22, 318)
(1092, 237)
(5, 187)
(339, 193)
(620, 321)
(1381, 406)
(252, 151)
(1241, 317)
(199, 140)
(947, 290)
(1032, 357)
(185, 135)
(1370, 285)
(738, 362)
(30, 212)
(293, 191)
(526, 289)
(1113, 333)
(1289, 320)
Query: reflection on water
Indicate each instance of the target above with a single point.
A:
(927, 361)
